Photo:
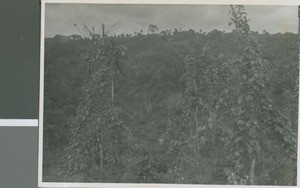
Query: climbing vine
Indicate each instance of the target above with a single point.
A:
(100, 140)
(258, 122)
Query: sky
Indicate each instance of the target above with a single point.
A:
(60, 18)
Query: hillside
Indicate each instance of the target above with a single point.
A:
(171, 99)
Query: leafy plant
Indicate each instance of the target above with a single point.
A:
(100, 140)
(258, 120)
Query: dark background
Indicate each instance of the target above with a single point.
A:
(19, 57)
(19, 79)
(18, 157)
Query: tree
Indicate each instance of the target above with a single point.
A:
(100, 140)
(194, 131)
(152, 28)
(258, 120)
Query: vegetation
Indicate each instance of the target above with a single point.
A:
(172, 106)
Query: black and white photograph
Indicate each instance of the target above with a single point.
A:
(169, 94)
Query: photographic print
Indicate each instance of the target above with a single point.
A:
(169, 94)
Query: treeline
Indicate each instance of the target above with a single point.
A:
(172, 107)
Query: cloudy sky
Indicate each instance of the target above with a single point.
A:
(60, 18)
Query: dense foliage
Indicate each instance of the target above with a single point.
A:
(172, 107)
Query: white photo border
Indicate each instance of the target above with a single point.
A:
(18, 122)
(42, 184)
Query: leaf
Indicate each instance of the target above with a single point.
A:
(249, 97)
(252, 142)
(228, 171)
(240, 99)
(249, 148)
(255, 122)
(240, 122)
(200, 128)
(241, 128)
(257, 148)
(221, 100)
(226, 91)
(238, 138)
(248, 123)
